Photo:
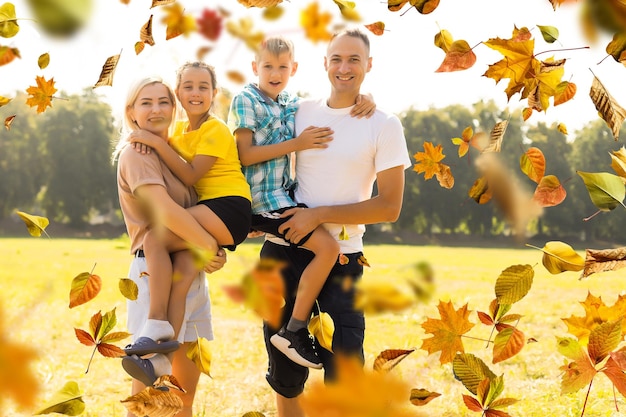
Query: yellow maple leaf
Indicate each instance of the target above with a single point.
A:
(542, 83)
(178, 23)
(428, 161)
(243, 29)
(315, 23)
(447, 331)
(41, 95)
(596, 313)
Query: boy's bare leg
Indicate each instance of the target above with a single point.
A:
(288, 407)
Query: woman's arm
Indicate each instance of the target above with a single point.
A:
(250, 154)
(188, 173)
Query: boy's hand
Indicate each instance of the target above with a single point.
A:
(364, 106)
(314, 137)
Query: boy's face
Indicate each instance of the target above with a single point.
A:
(274, 72)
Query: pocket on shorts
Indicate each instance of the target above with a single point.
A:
(352, 332)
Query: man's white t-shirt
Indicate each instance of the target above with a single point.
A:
(345, 171)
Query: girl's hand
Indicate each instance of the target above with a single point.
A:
(364, 106)
(143, 141)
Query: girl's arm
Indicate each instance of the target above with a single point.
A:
(188, 173)
(250, 154)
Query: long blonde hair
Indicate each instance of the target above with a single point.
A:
(128, 124)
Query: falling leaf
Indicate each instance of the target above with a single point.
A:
(145, 34)
(44, 60)
(260, 3)
(508, 343)
(560, 257)
(579, 373)
(617, 47)
(202, 52)
(363, 261)
(604, 260)
(108, 70)
(459, 57)
(68, 401)
(139, 47)
(128, 288)
(428, 162)
(480, 191)
(154, 402)
(343, 235)
(377, 28)
(422, 396)
(514, 283)
(210, 24)
(8, 21)
(443, 40)
(236, 76)
(464, 141)
(471, 371)
(322, 327)
(533, 164)
(390, 358)
(8, 121)
(61, 18)
(244, 30)
(177, 22)
(527, 112)
(618, 162)
(447, 331)
(35, 224)
(347, 9)
(199, 353)
(356, 392)
(382, 296)
(85, 287)
(273, 13)
(596, 313)
(315, 23)
(156, 3)
(41, 95)
(496, 137)
(550, 33)
(549, 192)
(253, 414)
(565, 91)
(4, 101)
(100, 335)
(609, 109)
(606, 190)
(8, 54)
(562, 128)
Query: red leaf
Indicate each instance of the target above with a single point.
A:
(472, 403)
(210, 24)
(110, 351)
(84, 337)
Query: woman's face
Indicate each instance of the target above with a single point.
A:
(195, 91)
(153, 109)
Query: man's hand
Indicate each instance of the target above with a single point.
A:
(302, 222)
(216, 263)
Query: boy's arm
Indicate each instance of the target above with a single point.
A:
(188, 173)
(383, 207)
(250, 154)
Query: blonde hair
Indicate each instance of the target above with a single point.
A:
(128, 124)
(276, 45)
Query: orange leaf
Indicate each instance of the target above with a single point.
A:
(596, 312)
(236, 77)
(533, 164)
(8, 54)
(177, 22)
(110, 351)
(428, 161)
(472, 403)
(388, 359)
(41, 95)
(565, 91)
(508, 343)
(459, 57)
(85, 287)
(377, 28)
(84, 337)
(549, 192)
(480, 191)
(315, 23)
(8, 121)
(447, 331)
(445, 177)
(526, 113)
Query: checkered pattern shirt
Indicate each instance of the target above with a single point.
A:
(271, 122)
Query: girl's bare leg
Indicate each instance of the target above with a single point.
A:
(185, 271)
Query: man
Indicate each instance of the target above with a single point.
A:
(336, 184)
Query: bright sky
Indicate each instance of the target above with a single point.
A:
(404, 57)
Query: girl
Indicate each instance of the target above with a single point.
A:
(211, 164)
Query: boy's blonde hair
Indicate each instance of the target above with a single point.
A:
(276, 45)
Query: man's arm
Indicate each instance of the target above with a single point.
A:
(383, 207)
(180, 222)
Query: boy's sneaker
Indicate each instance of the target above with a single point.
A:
(298, 346)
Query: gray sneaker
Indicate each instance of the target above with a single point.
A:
(298, 346)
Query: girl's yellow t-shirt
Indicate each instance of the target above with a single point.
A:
(213, 138)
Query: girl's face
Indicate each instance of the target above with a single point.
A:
(153, 109)
(195, 91)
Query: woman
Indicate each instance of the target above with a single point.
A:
(150, 193)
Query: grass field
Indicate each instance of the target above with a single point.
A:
(35, 277)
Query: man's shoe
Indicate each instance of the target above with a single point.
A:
(298, 346)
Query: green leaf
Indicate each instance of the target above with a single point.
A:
(606, 190)
(109, 320)
(128, 288)
(550, 33)
(470, 370)
(514, 283)
(8, 21)
(570, 348)
(66, 401)
(603, 339)
(61, 18)
(34, 224)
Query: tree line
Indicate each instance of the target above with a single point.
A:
(58, 164)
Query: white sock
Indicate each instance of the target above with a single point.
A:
(158, 330)
(162, 365)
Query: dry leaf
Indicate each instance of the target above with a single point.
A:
(610, 111)
(139, 47)
(377, 28)
(145, 34)
(236, 76)
(154, 403)
(496, 137)
(260, 3)
(8, 54)
(348, 10)
(604, 260)
(108, 70)
(382, 296)
(201, 53)
(177, 22)
(390, 358)
(459, 57)
(156, 3)
(41, 95)
(422, 396)
(8, 121)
